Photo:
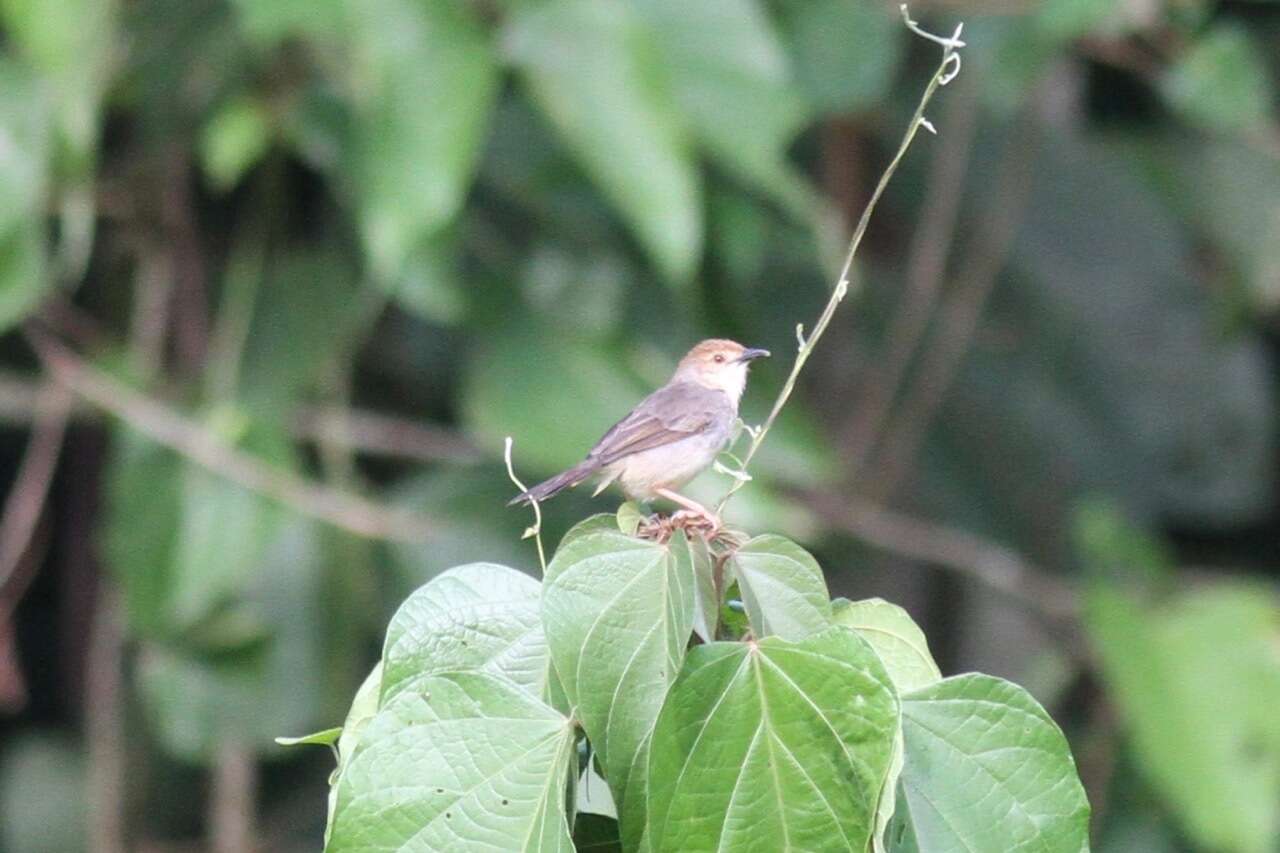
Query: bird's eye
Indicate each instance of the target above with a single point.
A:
(718, 359)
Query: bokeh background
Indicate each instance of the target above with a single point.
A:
(278, 276)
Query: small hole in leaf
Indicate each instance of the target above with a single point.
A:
(505, 802)
(448, 815)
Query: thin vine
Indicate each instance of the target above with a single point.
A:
(945, 73)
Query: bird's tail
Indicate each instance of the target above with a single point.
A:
(561, 481)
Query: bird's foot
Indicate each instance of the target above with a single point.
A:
(660, 527)
(703, 521)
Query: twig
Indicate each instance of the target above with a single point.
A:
(104, 727)
(13, 688)
(961, 313)
(992, 565)
(232, 799)
(373, 432)
(152, 303)
(165, 426)
(26, 499)
(536, 530)
(945, 72)
(926, 266)
(361, 430)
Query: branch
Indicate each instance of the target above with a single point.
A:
(961, 313)
(989, 563)
(188, 438)
(107, 769)
(361, 430)
(27, 497)
(945, 72)
(232, 797)
(926, 268)
(387, 435)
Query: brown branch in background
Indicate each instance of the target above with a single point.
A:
(104, 728)
(961, 312)
(231, 803)
(360, 430)
(26, 498)
(13, 687)
(152, 305)
(179, 433)
(994, 566)
(926, 266)
(384, 435)
(182, 235)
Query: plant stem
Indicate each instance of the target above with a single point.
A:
(946, 70)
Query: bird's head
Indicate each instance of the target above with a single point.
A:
(719, 364)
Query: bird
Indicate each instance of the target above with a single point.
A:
(671, 436)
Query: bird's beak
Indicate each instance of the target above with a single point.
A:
(749, 354)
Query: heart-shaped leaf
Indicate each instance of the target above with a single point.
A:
(466, 761)
(986, 769)
(898, 641)
(773, 746)
(618, 613)
(594, 69)
(479, 617)
(782, 587)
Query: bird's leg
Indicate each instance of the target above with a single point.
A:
(691, 505)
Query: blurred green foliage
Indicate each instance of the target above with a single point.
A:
(510, 217)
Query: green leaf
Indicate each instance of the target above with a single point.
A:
(72, 46)
(1061, 20)
(555, 395)
(194, 701)
(142, 481)
(601, 522)
(730, 78)
(302, 316)
(1197, 683)
(24, 143)
(23, 275)
(596, 72)
(269, 21)
(468, 761)
(430, 283)
(630, 518)
(706, 594)
(898, 641)
(986, 769)
(324, 737)
(479, 617)
(363, 708)
(233, 141)
(223, 534)
(425, 78)
(1222, 82)
(887, 805)
(773, 746)
(618, 613)
(782, 587)
(364, 705)
(846, 52)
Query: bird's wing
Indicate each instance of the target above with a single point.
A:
(671, 413)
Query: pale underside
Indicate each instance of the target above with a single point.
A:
(667, 467)
(670, 438)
